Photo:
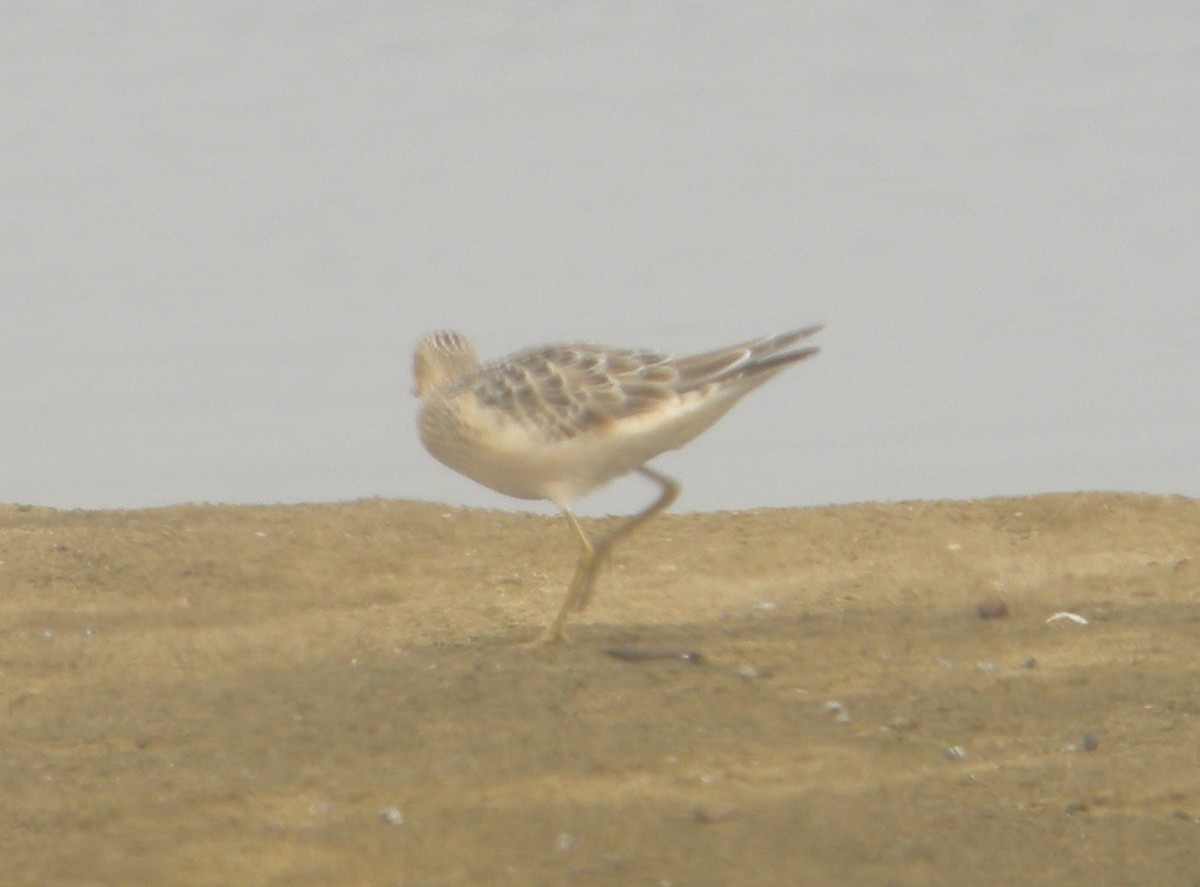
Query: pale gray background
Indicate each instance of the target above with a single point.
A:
(226, 224)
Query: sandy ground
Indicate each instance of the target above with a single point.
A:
(339, 694)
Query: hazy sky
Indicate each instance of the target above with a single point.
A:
(225, 226)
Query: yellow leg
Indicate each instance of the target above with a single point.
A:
(592, 557)
(670, 492)
(584, 569)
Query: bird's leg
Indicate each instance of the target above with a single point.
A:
(584, 569)
(592, 556)
(670, 491)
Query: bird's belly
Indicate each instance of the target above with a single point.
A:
(528, 467)
(520, 460)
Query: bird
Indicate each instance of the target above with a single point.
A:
(555, 423)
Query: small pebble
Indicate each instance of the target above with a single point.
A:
(713, 814)
(1091, 742)
(992, 608)
(841, 714)
(391, 815)
(566, 842)
(904, 725)
(954, 753)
